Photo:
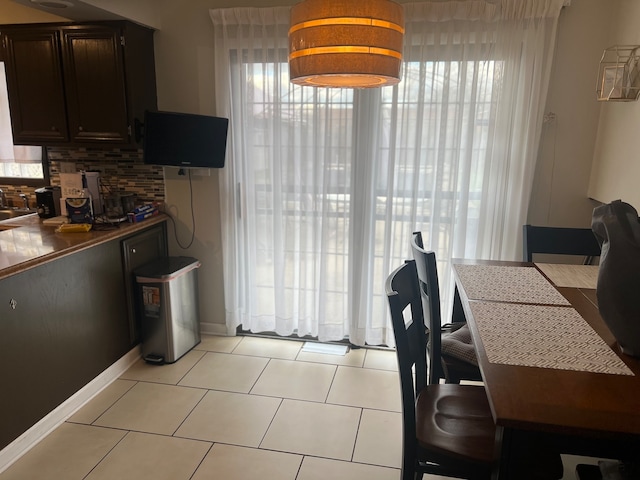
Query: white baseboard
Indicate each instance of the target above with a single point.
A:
(213, 329)
(31, 437)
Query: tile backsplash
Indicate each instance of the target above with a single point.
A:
(121, 170)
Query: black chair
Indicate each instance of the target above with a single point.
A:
(559, 241)
(451, 352)
(448, 429)
(605, 469)
(588, 472)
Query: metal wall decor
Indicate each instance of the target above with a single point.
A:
(618, 78)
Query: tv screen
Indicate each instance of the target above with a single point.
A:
(184, 140)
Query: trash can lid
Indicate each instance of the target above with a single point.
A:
(165, 268)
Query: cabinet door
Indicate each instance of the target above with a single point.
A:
(137, 250)
(95, 84)
(35, 85)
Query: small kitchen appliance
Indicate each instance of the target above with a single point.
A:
(81, 184)
(48, 201)
(79, 210)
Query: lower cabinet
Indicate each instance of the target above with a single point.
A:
(138, 250)
(65, 322)
(61, 325)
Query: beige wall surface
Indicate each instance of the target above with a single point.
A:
(184, 68)
(559, 196)
(11, 12)
(616, 166)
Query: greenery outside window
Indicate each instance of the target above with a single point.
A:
(19, 164)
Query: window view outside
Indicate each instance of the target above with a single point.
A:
(302, 155)
(21, 170)
(15, 161)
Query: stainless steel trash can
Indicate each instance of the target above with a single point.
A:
(168, 289)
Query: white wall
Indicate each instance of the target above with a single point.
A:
(11, 12)
(144, 12)
(184, 71)
(559, 196)
(184, 68)
(616, 166)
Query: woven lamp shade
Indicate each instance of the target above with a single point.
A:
(346, 43)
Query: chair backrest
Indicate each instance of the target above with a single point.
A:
(403, 291)
(559, 241)
(427, 272)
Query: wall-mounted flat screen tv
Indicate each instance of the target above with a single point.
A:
(184, 140)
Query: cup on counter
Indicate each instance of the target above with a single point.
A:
(128, 202)
(113, 206)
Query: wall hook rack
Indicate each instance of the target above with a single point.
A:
(618, 78)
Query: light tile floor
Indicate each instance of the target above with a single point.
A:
(235, 408)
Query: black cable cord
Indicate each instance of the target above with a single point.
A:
(193, 218)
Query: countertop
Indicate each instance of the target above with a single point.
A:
(26, 243)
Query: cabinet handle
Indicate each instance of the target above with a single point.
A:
(53, 128)
(80, 128)
(133, 250)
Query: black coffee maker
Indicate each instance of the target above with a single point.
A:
(48, 201)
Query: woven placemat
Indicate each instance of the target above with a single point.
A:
(543, 336)
(508, 284)
(575, 276)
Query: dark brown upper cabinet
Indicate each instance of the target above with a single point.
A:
(78, 84)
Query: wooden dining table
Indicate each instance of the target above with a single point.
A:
(551, 368)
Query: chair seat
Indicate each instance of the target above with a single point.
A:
(456, 370)
(458, 344)
(459, 360)
(456, 421)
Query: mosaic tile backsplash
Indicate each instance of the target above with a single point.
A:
(121, 171)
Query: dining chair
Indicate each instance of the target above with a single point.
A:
(559, 241)
(448, 429)
(451, 354)
(588, 472)
(609, 469)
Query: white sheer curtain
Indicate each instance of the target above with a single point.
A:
(15, 161)
(323, 188)
(9, 153)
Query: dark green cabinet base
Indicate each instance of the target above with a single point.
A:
(61, 325)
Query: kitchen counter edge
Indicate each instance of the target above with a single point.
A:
(76, 242)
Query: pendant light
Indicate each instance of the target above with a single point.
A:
(346, 43)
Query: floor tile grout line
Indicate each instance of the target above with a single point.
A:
(355, 440)
(109, 407)
(201, 460)
(239, 445)
(333, 378)
(264, 435)
(257, 379)
(204, 354)
(236, 351)
(364, 360)
(127, 432)
(190, 412)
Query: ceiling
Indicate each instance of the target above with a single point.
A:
(75, 10)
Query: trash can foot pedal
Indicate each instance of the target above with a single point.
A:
(154, 359)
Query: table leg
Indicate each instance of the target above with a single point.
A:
(503, 445)
(458, 310)
(520, 452)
